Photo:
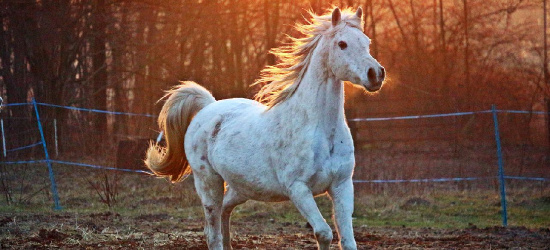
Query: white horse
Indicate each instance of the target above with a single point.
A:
(293, 148)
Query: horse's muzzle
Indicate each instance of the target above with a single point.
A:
(374, 88)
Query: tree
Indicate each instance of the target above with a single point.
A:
(99, 72)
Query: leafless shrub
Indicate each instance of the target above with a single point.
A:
(106, 187)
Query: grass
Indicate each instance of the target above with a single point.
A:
(441, 210)
(140, 195)
(456, 210)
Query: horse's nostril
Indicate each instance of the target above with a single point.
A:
(383, 72)
(372, 75)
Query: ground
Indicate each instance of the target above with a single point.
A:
(143, 212)
(112, 230)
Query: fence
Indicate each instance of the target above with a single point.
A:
(493, 112)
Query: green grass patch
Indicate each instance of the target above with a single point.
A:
(140, 195)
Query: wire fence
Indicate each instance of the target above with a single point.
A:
(498, 166)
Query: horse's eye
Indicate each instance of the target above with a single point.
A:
(343, 45)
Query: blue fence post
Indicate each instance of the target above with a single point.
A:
(501, 179)
(48, 161)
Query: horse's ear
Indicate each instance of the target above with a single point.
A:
(359, 12)
(336, 16)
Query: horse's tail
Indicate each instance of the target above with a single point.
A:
(182, 103)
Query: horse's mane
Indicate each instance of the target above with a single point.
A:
(280, 81)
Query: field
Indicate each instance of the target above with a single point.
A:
(258, 231)
(103, 209)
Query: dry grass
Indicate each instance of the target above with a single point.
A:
(443, 205)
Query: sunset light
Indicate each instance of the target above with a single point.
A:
(274, 124)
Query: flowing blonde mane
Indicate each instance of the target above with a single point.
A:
(279, 82)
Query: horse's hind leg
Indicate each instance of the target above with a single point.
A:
(209, 187)
(230, 200)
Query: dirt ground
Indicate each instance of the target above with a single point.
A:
(113, 231)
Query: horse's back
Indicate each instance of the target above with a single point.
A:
(220, 114)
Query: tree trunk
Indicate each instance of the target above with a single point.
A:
(99, 94)
(271, 19)
(545, 68)
(13, 73)
(370, 14)
(467, 55)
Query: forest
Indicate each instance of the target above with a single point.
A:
(440, 55)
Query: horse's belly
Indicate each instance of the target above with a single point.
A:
(253, 188)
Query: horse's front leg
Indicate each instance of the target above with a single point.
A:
(302, 198)
(342, 200)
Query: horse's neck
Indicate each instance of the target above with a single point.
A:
(319, 100)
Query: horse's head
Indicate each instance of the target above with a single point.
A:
(349, 56)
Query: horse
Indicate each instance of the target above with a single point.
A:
(291, 143)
